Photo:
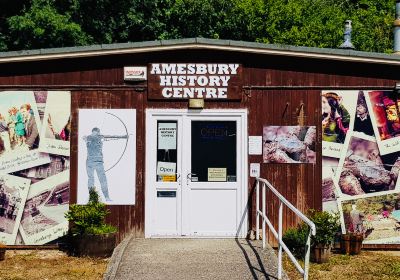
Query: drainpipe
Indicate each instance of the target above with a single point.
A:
(347, 44)
(396, 25)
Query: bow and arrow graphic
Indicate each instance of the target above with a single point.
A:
(112, 137)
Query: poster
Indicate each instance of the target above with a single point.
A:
(107, 155)
(47, 203)
(360, 177)
(56, 129)
(362, 169)
(385, 117)
(376, 216)
(19, 132)
(289, 144)
(32, 165)
(167, 136)
(216, 174)
(13, 192)
(338, 114)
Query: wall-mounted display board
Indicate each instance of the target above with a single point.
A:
(211, 81)
(107, 155)
(360, 170)
(35, 130)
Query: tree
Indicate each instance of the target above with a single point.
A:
(41, 26)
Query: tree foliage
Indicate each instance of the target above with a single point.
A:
(28, 24)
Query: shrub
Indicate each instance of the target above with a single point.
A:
(90, 218)
(295, 239)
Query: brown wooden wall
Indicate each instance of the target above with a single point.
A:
(270, 83)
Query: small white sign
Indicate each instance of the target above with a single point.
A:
(255, 145)
(167, 136)
(254, 170)
(135, 73)
(166, 168)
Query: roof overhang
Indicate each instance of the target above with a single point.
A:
(199, 44)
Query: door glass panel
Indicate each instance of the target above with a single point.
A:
(167, 135)
(213, 151)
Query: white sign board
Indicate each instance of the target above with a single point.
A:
(135, 73)
(166, 168)
(255, 145)
(254, 170)
(166, 136)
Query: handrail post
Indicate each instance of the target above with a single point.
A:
(258, 209)
(307, 257)
(264, 214)
(280, 241)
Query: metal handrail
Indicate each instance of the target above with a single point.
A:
(278, 235)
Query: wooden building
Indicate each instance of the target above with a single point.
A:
(269, 85)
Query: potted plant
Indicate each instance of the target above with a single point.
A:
(351, 243)
(2, 251)
(89, 235)
(321, 244)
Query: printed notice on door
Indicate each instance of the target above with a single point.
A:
(167, 136)
(216, 174)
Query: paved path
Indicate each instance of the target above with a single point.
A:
(191, 259)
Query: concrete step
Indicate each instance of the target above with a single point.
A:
(192, 259)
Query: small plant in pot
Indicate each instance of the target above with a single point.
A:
(89, 234)
(327, 225)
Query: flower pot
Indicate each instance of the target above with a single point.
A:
(356, 244)
(93, 245)
(345, 244)
(2, 253)
(321, 253)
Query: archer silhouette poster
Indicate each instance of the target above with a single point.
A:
(107, 155)
(56, 129)
(19, 132)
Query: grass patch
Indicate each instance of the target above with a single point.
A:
(367, 265)
(50, 264)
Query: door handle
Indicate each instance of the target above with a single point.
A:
(189, 176)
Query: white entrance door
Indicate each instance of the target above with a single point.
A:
(196, 173)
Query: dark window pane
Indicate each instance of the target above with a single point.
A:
(213, 151)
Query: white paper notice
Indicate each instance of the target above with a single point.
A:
(255, 145)
(166, 168)
(167, 136)
(254, 170)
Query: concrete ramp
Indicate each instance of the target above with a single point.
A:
(192, 259)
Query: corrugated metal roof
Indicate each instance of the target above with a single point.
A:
(198, 43)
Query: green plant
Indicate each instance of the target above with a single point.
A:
(295, 239)
(327, 224)
(90, 218)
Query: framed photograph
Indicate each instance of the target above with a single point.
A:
(57, 165)
(43, 219)
(289, 144)
(56, 129)
(19, 132)
(338, 114)
(13, 193)
(377, 217)
(362, 169)
(385, 117)
(107, 155)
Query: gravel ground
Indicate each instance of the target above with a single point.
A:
(194, 259)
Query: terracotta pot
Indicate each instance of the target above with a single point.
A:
(93, 245)
(2, 254)
(345, 244)
(356, 244)
(321, 253)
